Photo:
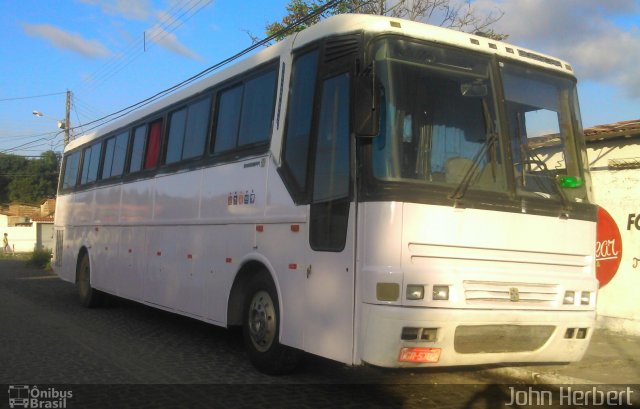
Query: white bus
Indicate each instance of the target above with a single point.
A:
(370, 190)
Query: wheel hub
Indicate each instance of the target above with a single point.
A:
(262, 322)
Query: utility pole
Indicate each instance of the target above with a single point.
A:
(67, 125)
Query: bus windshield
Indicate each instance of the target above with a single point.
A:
(439, 125)
(542, 116)
(438, 118)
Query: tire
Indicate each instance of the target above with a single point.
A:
(261, 329)
(89, 296)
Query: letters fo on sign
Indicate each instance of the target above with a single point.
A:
(608, 247)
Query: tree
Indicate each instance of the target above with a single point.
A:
(28, 180)
(458, 15)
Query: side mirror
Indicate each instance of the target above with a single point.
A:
(366, 114)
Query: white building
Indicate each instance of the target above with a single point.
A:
(614, 159)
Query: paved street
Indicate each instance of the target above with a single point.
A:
(130, 355)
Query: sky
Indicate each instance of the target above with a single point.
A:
(113, 53)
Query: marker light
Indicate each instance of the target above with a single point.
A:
(415, 292)
(585, 298)
(570, 182)
(440, 292)
(569, 297)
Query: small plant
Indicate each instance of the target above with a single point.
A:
(40, 258)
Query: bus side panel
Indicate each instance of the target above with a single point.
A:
(106, 264)
(83, 208)
(160, 285)
(283, 247)
(177, 198)
(132, 262)
(107, 209)
(64, 257)
(210, 265)
(137, 202)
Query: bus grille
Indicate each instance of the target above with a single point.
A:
(492, 292)
(479, 339)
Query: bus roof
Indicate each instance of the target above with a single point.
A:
(336, 25)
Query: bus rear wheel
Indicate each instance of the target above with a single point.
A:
(89, 296)
(261, 329)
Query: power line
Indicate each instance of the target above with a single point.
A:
(32, 143)
(134, 45)
(135, 49)
(124, 111)
(31, 97)
(27, 135)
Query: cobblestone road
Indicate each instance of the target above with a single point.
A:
(130, 355)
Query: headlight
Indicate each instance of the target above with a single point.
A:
(415, 292)
(440, 292)
(569, 297)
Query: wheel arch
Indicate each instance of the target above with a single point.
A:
(249, 268)
(84, 251)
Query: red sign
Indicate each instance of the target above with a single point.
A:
(608, 247)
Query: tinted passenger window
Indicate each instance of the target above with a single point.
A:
(197, 126)
(114, 155)
(245, 112)
(300, 112)
(257, 108)
(71, 170)
(91, 160)
(228, 119)
(176, 135)
(331, 179)
(188, 131)
(137, 148)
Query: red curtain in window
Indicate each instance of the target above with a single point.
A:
(153, 147)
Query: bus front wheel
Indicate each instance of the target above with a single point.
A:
(261, 329)
(89, 296)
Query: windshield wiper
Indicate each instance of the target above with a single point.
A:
(489, 143)
(529, 157)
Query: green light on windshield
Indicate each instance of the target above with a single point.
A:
(570, 182)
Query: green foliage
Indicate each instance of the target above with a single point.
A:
(40, 258)
(447, 13)
(296, 10)
(28, 180)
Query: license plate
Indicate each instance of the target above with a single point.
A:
(428, 355)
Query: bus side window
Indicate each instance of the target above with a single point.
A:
(114, 155)
(153, 147)
(188, 131)
(245, 112)
(137, 148)
(71, 164)
(197, 127)
(90, 162)
(257, 109)
(329, 215)
(229, 106)
(299, 115)
(175, 141)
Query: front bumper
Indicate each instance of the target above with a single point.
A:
(382, 328)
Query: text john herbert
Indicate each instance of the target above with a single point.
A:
(570, 397)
